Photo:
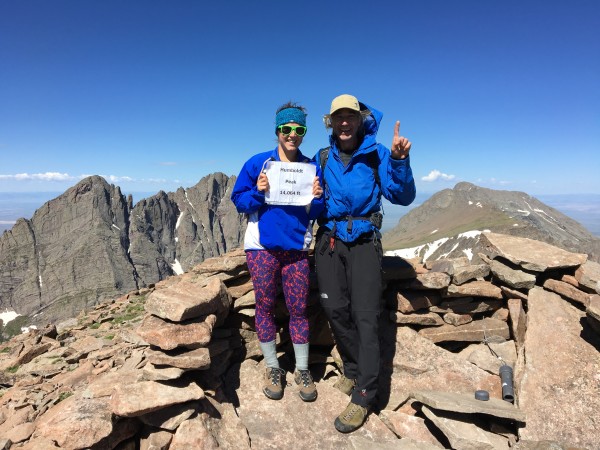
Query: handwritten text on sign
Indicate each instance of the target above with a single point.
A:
(289, 183)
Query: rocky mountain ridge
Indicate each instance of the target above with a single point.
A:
(91, 244)
(178, 366)
(448, 223)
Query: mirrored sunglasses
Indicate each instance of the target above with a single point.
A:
(300, 130)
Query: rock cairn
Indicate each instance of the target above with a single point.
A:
(177, 366)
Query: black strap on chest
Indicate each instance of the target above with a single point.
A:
(372, 162)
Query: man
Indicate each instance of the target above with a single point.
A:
(357, 171)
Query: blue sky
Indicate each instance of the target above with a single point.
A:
(157, 94)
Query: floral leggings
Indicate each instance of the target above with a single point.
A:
(267, 267)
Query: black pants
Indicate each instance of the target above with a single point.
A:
(350, 286)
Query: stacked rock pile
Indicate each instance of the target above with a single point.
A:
(178, 366)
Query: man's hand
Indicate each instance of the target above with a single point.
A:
(317, 189)
(400, 145)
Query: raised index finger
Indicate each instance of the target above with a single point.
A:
(397, 129)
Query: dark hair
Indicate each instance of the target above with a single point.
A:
(291, 104)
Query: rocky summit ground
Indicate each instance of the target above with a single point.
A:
(177, 365)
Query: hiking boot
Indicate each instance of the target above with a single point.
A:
(273, 387)
(346, 385)
(308, 390)
(351, 418)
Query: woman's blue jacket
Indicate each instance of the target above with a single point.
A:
(273, 227)
(353, 191)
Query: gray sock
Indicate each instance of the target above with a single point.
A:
(270, 353)
(301, 354)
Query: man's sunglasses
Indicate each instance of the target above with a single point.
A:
(287, 129)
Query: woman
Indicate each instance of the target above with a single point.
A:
(276, 243)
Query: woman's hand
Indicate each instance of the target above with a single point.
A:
(263, 183)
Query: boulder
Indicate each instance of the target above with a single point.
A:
(531, 255)
(558, 389)
(190, 299)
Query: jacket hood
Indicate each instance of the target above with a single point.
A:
(372, 121)
(371, 126)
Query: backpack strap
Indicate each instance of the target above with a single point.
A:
(323, 155)
(372, 162)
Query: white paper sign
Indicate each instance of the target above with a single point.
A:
(290, 183)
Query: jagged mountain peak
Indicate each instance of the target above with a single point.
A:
(468, 208)
(91, 243)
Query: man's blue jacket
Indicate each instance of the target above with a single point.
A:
(353, 191)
